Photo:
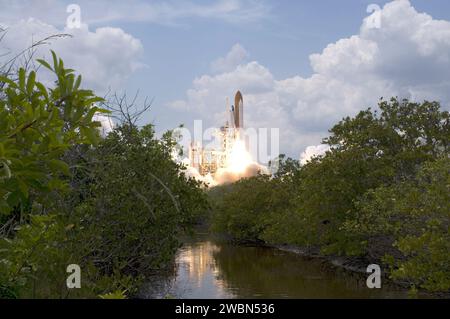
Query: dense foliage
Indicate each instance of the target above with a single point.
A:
(115, 206)
(246, 208)
(382, 191)
(37, 126)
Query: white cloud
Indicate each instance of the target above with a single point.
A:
(408, 56)
(313, 151)
(235, 57)
(107, 123)
(105, 57)
(179, 105)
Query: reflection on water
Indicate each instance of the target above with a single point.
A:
(207, 269)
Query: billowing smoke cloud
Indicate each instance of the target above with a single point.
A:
(194, 173)
(224, 175)
(227, 176)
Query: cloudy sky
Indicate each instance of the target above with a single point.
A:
(301, 65)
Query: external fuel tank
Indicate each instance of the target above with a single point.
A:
(238, 110)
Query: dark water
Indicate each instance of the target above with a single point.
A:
(210, 269)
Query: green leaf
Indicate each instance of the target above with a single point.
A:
(90, 114)
(93, 100)
(31, 82)
(22, 79)
(92, 135)
(8, 81)
(61, 67)
(42, 89)
(23, 187)
(55, 62)
(59, 165)
(70, 79)
(104, 111)
(45, 64)
(77, 83)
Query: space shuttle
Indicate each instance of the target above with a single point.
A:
(237, 111)
(208, 161)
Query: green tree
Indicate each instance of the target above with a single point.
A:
(244, 209)
(139, 201)
(37, 125)
(115, 206)
(415, 215)
(368, 151)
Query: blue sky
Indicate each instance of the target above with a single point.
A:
(282, 41)
(167, 49)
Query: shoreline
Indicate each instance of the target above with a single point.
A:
(353, 264)
(356, 265)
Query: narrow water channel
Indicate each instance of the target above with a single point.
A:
(211, 269)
